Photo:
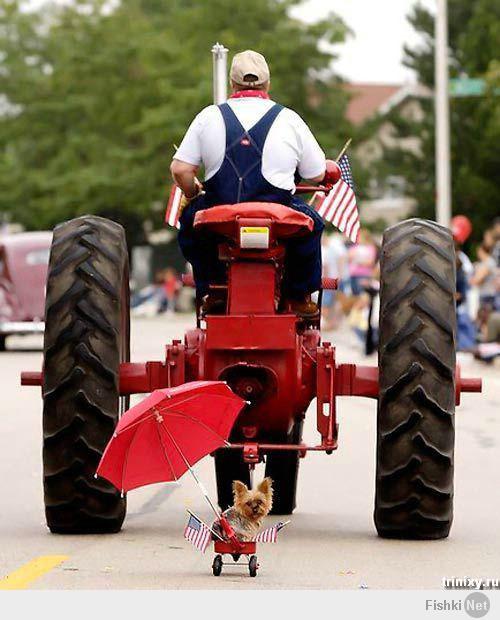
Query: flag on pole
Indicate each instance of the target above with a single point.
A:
(270, 534)
(339, 206)
(173, 212)
(198, 534)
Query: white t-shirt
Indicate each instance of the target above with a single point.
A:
(289, 145)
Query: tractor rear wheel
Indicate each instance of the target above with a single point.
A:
(415, 421)
(229, 466)
(283, 467)
(86, 337)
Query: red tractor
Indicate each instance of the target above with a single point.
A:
(271, 357)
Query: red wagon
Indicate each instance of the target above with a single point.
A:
(247, 549)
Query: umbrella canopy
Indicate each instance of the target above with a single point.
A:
(170, 430)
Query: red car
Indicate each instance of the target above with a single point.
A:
(23, 274)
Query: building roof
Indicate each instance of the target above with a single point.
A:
(370, 99)
(367, 99)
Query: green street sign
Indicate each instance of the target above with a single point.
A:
(467, 87)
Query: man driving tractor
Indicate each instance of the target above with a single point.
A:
(251, 149)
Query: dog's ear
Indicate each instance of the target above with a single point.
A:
(239, 488)
(266, 487)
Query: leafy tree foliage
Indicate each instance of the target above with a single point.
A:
(95, 97)
(474, 39)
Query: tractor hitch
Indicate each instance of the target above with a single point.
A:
(253, 452)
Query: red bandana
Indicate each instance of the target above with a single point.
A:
(250, 93)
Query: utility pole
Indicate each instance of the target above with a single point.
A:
(219, 53)
(442, 115)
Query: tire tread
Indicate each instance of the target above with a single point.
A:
(87, 271)
(415, 422)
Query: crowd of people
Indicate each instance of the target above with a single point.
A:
(159, 297)
(478, 291)
(355, 301)
(478, 288)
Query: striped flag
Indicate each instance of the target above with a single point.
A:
(270, 534)
(198, 534)
(173, 212)
(339, 206)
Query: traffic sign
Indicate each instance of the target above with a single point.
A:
(467, 87)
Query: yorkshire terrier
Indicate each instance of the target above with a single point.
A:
(249, 509)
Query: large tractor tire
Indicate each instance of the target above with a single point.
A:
(86, 337)
(283, 468)
(229, 466)
(415, 422)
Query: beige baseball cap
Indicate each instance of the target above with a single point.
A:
(249, 68)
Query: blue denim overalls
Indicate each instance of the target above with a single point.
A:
(240, 179)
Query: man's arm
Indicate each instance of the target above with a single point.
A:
(312, 163)
(188, 157)
(184, 175)
(316, 179)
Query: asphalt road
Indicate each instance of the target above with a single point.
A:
(331, 542)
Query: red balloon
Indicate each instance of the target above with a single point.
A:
(461, 228)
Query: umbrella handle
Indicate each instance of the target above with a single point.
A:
(226, 526)
(229, 532)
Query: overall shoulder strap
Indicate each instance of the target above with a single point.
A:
(234, 129)
(260, 130)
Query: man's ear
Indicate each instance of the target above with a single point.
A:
(266, 486)
(239, 488)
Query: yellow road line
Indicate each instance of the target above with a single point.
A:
(22, 577)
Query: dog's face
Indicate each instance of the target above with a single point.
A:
(253, 504)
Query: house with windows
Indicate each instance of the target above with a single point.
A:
(372, 103)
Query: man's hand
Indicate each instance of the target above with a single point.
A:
(185, 200)
(184, 175)
(333, 173)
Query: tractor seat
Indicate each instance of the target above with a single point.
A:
(227, 220)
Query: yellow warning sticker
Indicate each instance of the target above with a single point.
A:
(254, 237)
(255, 229)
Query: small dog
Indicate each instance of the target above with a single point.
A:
(249, 509)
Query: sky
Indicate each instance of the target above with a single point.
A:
(374, 52)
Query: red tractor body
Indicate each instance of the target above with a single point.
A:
(269, 356)
(272, 358)
(260, 349)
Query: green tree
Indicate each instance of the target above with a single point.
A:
(93, 100)
(474, 41)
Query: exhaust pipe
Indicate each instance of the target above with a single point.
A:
(219, 54)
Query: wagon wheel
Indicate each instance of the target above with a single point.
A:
(415, 422)
(283, 467)
(86, 338)
(229, 466)
(253, 566)
(217, 565)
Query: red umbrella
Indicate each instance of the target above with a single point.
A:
(159, 439)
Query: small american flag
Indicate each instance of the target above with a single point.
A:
(198, 534)
(270, 534)
(339, 206)
(173, 212)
